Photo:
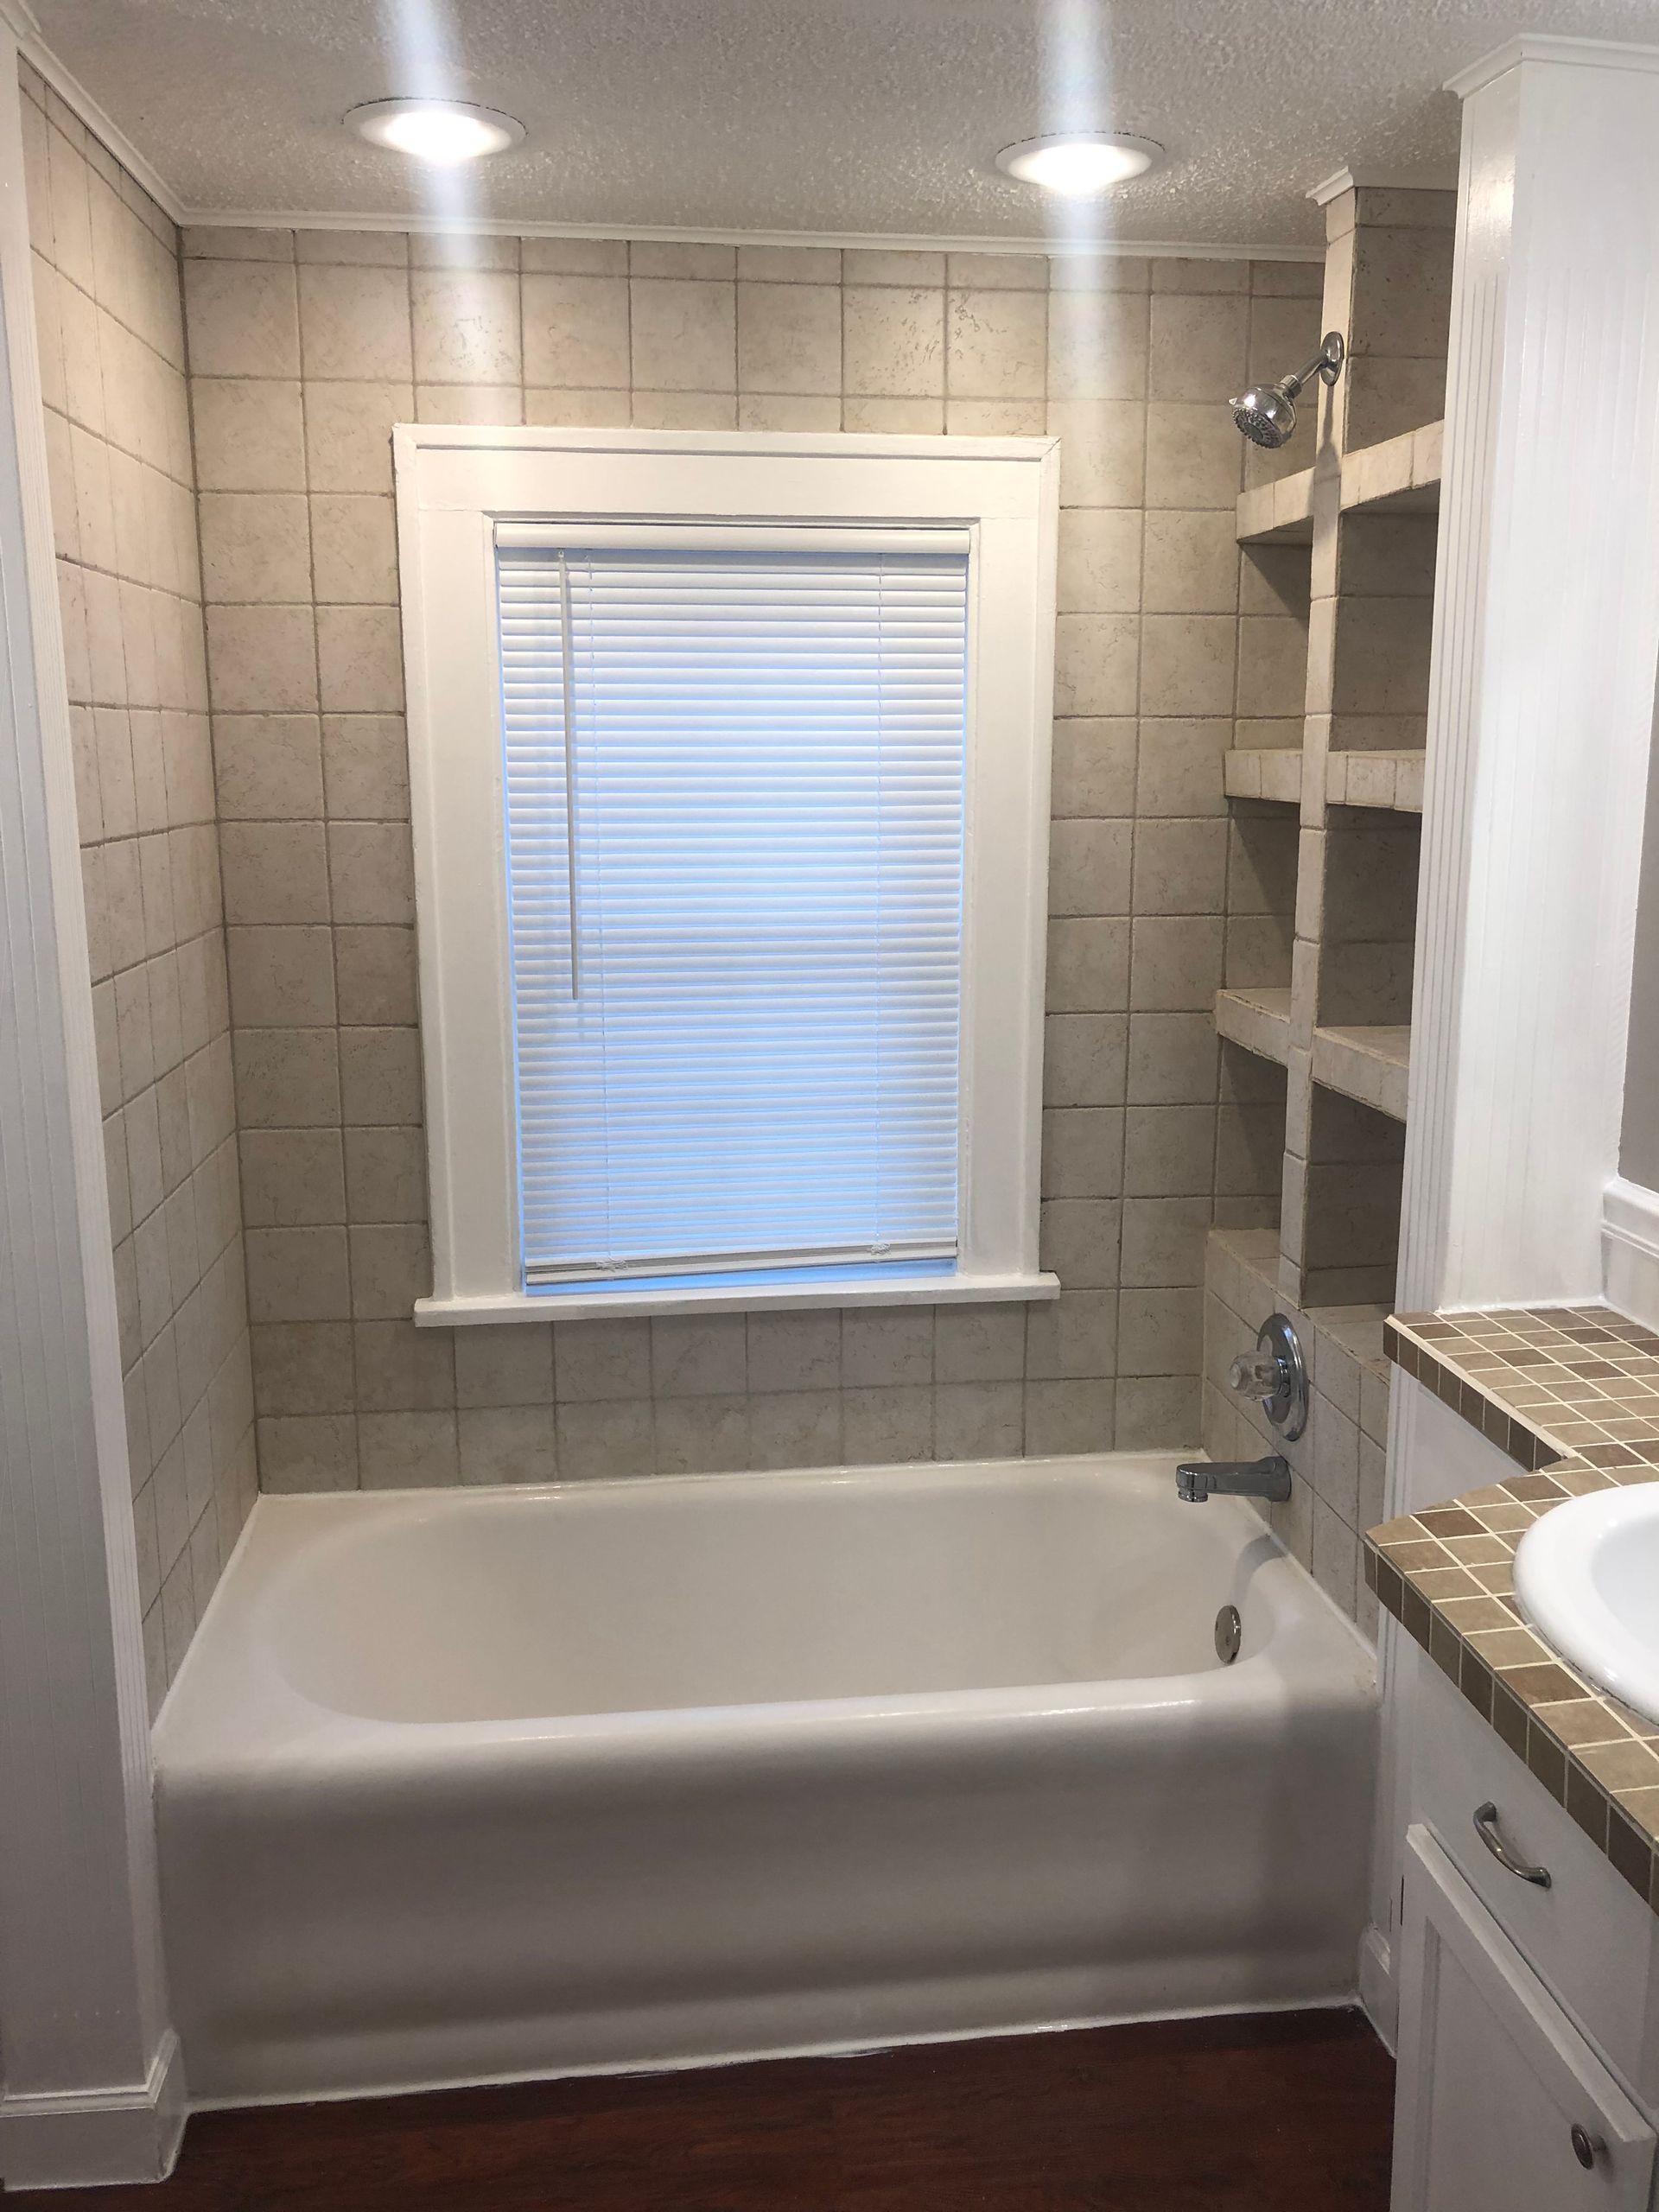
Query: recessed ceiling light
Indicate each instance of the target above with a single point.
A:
(1079, 161)
(444, 131)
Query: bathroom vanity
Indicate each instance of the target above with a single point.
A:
(1528, 2042)
(1527, 1935)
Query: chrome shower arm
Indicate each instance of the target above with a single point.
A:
(1326, 363)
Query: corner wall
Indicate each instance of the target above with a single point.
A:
(111, 333)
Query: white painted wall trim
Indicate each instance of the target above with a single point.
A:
(1379, 1996)
(91, 2089)
(1630, 1250)
(1367, 175)
(453, 484)
(795, 1297)
(85, 2137)
(1545, 46)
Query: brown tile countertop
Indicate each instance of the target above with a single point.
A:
(1572, 1395)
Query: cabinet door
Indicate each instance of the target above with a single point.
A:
(1493, 2078)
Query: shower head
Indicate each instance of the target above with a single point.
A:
(1267, 412)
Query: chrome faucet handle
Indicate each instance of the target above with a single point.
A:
(1276, 1373)
(1255, 1373)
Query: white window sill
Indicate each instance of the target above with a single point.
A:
(568, 1306)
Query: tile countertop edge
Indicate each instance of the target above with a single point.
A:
(1572, 1395)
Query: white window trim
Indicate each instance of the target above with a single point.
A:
(453, 484)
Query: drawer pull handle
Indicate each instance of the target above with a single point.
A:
(1486, 1829)
(1587, 2147)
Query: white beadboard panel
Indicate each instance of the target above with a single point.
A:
(91, 2091)
(1546, 632)
(1546, 636)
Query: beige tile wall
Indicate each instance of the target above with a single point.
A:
(304, 350)
(1338, 1461)
(112, 363)
(1389, 258)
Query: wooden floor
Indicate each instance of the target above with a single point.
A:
(1235, 2115)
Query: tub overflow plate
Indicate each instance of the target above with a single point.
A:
(1230, 1632)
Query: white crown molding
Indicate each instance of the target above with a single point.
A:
(1630, 1250)
(424, 226)
(1539, 45)
(1365, 178)
(1331, 187)
(19, 20)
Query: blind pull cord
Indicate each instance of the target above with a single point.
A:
(567, 677)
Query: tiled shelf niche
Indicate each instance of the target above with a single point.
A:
(1347, 1195)
(1279, 513)
(1400, 475)
(1386, 509)
(1249, 1141)
(1366, 916)
(1366, 1061)
(1376, 625)
(1329, 1027)
(1257, 1020)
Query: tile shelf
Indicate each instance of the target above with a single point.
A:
(1323, 850)
(1369, 1062)
(1323, 854)
(1279, 513)
(1390, 782)
(1272, 772)
(1400, 475)
(1258, 1019)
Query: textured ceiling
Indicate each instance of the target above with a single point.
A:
(831, 117)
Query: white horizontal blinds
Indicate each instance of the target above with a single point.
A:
(738, 1024)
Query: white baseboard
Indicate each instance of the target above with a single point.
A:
(81, 2138)
(1630, 1250)
(1378, 1997)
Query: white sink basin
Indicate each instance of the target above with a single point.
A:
(1587, 1579)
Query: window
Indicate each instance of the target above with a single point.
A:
(729, 781)
(734, 805)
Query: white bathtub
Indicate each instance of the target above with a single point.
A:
(461, 1785)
